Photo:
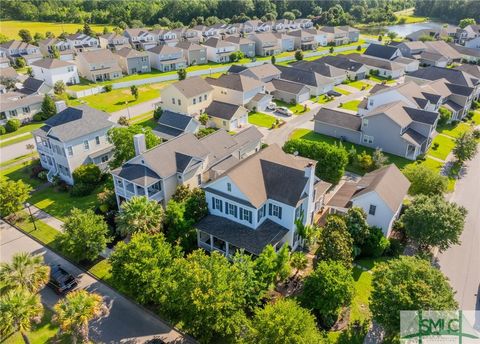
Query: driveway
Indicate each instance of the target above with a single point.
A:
(15, 150)
(127, 322)
(461, 263)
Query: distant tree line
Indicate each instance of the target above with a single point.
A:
(450, 11)
(174, 13)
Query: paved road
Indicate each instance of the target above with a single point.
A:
(126, 323)
(15, 150)
(461, 263)
(135, 110)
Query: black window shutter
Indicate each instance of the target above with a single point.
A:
(221, 206)
(280, 213)
(226, 208)
(270, 209)
(241, 213)
(213, 203)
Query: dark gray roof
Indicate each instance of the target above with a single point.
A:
(138, 174)
(75, 122)
(414, 136)
(235, 69)
(31, 85)
(222, 110)
(470, 69)
(459, 89)
(289, 86)
(253, 241)
(339, 119)
(341, 62)
(380, 51)
(431, 97)
(166, 132)
(466, 51)
(454, 76)
(175, 120)
(320, 68)
(48, 63)
(423, 116)
(306, 77)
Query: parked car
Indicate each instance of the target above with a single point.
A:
(272, 106)
(284, 111)
(61, 281)
(334, 93)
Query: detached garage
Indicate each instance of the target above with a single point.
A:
(289, 91)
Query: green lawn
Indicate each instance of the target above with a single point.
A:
(351, 105)
(261, 119)
(102, 270)
(297, 109)
(145, 120)
(445, 146)
(454, 130)
(476, 117)
(359, 85)
(341, 91)
(26, 128)
(43, 232)
(322, 99)
(17, 159)
(41, 333)
(15, 140)
(10, 28)
(121, 98)
(59, 204)
(21, 172)
(380, 80)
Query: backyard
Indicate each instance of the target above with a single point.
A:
(360, 85)
(351, 105)
(261, 119)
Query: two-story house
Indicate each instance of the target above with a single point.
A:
(317, 83)
(140, 38)
(182, 160)
(166, 58)
(219, 50)
(304, 40)
(244, 45)
(266, 44)
(15, 49)
(98, 65)
(53, 70)
(324, 69)
(48, 45)
(236, 89)
(113, 41)
(132, 61)
(168, 37)
(190, 96)
(379, 193)
(173, 124)
(73, 137)
(251, 205)
(188, 34)
(81, 42)
(285, 41)
(193, 53)
(335, 35)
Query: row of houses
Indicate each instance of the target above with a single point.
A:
(469, 36)
(402, 119)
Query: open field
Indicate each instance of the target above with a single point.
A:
(10, 28)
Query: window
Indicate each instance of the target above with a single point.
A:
(367, 139)
(179, 102)
(232, 209)
(104, 158)
(275, 210)
(229, 187)
(372, 209)
(70, 151)
(97, 140)
(217, 204)
(86, 146)
(173, 100)
(245, 215)
(200, 99)
(194, 101)
(204, 97)
(299, 211)
(261, 213)
(26, 109)
(199, 179)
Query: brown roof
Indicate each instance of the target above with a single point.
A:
(51, 63)
(238, 40)
(164, 49)
(217, 43)
(129, 52)
(186, 45)
(98, 56)
(192, 87)
(235, 82)
(264, 70)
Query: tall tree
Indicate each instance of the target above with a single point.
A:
(134, 91)
(327, 290)
(25, 35)
(284, 322)
(432, 221)
(18, 309)
(13, 194)
(407, 283)
(85, 235)
(336, 243)
(26, 272)
(356, 221)
(48, 107)
(465, 22)
(465, 147)
(182, 74)
(140, 215)
(424, 180)
(76, 310)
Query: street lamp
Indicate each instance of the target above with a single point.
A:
(31, 216)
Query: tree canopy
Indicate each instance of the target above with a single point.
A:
(335, 242)
(139, 215)
(425, 181)
(13, 194)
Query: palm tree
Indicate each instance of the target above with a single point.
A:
(17, 310)
(76, 310)
(139, 214)
(25, 271)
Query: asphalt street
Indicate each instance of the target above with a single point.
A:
(126, 323)
(461, 263)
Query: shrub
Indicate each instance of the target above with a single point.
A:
(470, 114)
(12, 125)
(435, 146)
(81, 189)
(365, 161)
(476, 134)
(2, 130)
(375, 244)
(157, 113)
(88, 174)
(108, 88)
(395, 248)
(445, 116)
(123, 121)
(38, 117)
(35, 170)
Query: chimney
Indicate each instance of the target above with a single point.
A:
(310, 174)
(139, 143)
(60, 105)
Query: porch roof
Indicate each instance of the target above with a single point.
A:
(252, 240)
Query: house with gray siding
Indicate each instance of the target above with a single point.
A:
(318, 84)
(193, 53)
(288, 91)
(133, 61)
(245, 45)
(166, 58)
(73, 137)
(266, 44)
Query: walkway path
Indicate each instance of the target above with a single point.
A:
(14, 137)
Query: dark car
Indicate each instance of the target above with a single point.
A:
(334, 93)
(60, 280)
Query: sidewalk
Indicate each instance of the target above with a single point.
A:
(14, 137)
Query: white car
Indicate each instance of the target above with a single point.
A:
(272, 106)
(284, 111)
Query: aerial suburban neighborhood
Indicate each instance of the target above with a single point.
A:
(239, 171)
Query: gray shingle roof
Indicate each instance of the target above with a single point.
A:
(289, 86)
(192, 87)
(222, 110)
(306, 77)
(235, 82)
(76, 122)
(339, 119)
(51, 63)
(140, 175)
(381, 51)
(454, 76)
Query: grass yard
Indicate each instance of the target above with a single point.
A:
(322, 99)
(445, 146)
(10, 28)
(15, 140)
(352, 105)
(145, 120)
(454, 130)
(102, 270)
(121, 98)
(26, 128)
(44, 233)
(297, 109)
(476, 117)
(16, 161)
(341, 91)
(261, 119)
(380, 80)
(21, 172)
(41, 333)
(407, 17)
(359, 85)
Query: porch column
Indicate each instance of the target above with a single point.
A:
(226, 248)
(211, 243)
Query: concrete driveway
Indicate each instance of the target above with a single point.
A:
(126, 323)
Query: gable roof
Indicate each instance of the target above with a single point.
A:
(306, 77)
(31, 85)
(341, 62)
(192, 87)
(454, 76)
(223, 110)
(381, 51)
(443, 48)
(217, 43)
(187, 45)
(402, 114)
(98, 56)
(130, 52)
(289, 86)
(339, 118)
(75, 122)
(236, 82)
(263, 71)
(164, 49)
(324, 69)
(49, 63)
(238, 40)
